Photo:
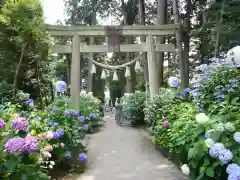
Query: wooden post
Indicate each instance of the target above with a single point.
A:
(75, 73)
(152, 67)
(90, 75)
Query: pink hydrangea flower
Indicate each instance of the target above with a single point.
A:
(165, 124)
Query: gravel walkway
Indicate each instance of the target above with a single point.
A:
(124, 153)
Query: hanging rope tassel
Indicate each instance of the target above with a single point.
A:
(103, 75)
(115, 76)
(127, 72)
(93, 70)
(138, 67)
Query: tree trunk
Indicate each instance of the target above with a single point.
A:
(216, 52)
(129, 86)
(68, 62)
(161, 19)
(14, 88)
(186, 37)
(90, 75)
(141, 9)
(184, 79)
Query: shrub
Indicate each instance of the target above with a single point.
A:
(33, 142)
(207, 144)
(133, 105)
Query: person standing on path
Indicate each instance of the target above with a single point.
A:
(118, 112)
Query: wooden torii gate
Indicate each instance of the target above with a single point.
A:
(75, 32)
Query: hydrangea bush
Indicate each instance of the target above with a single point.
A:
(204, 134)
(34, 142)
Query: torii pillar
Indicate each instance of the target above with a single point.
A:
(75, 73)
(152, 67)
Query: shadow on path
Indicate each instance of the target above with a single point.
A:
(124, 153)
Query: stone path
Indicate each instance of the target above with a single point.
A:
(124, 153)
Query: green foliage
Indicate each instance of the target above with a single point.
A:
(24, 48)
(133, 105)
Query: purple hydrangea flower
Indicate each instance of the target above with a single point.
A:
(74, 113)
(67, 113)
(236, 137)
(85, 127)
(31, 144)
(20, 124)
(14, 145)
(234, 176)
(215, 150)
(81, 119)
(225, 156)
(92, 115)
(60, 132)
(2, 124)
(68, 155)
(30, 102)
(82, 157)
(55, 136)
(61, 86)
(232, 168)
(174, 82)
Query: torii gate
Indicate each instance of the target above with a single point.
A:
(136, 30)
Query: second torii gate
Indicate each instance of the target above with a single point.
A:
(136, 30)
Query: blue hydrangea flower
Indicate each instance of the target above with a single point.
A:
(61, 86)
(186, 90)
(81, 119)
(60, 132)
(55, 110)
(92, 115)
(232, 168)
(180, 93)
(87, 118)
(214, 151)
(55, 124)
(85, 127)
(236, 137)
(174, 82)
(74, 113)
(68, 155)
(82, 157)
(55, 136)
(208, 133)
(30, 102)
(234, 176)
(225, 156)
(67, 113)
(50, 123)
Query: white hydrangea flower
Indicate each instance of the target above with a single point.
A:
(49, 135)
(229, 126)
(209, 142)
(52, 163)
(220, 127)
(46, 154)
(185, 169)
(201, 118)
(50, 166)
